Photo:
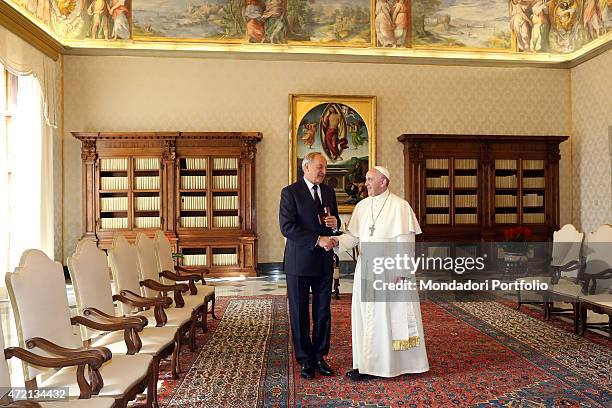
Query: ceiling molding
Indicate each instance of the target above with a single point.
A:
(30, 32)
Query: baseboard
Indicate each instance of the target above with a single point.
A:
(276, 268)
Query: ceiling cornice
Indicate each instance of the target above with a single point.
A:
(30, 32)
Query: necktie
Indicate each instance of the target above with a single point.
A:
(317, 200)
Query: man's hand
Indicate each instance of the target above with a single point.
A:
(331, 222)
(326, 243)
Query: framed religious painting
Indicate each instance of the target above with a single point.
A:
(343, 129)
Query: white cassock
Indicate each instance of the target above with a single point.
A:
(387, 336)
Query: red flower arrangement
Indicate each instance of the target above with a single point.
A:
(517, 234)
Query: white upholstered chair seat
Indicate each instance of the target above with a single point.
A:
(533, 279)
(566, 288)
(604, 299)
(120, 374)
(176, 317)
(83, 403)
(154, 340)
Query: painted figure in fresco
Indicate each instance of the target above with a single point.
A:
(355, 183)
(309, 134)
(275, 21)
(40, 8)
(99, 10)
(401, 15)
(255, 23)
(541, 26)
(121, 27)
(592, 19)
(355, 128)
(564, 21)
(520, 23)
(334, 137)
(384, 24)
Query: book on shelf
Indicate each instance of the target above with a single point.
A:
(194, 222)
(146, 183)
(225, 259)
(114, 223)
(113, 203)
(466, 218)
(225, 202)
(505, 200)
(193, 182)
(505, 164)
(506, 218)
(533, 218)
(147, 203)
(193, 203)
(147, 222)
(466, 164)
(533, 182)
(437, 200)
(225, 182)
(436, 164)
(437, 218)
(114, 164)
(114, 183)
(196, 163)
(194, 260)
(505, 181)
(533, 200)
(466, 200)
(533, 164)
(225, 221)
(437, 182)
(146, 163)
(465, 181)
(225, 163)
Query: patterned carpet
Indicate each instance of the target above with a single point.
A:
(482, 354)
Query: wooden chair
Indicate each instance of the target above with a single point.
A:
(598, 280)
(88, 268)
(168, 270)
(38, 296)
(123, 260)
(565, 274)
(5, 384)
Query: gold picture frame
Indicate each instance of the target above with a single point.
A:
(343, 129)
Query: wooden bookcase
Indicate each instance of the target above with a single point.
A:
(198, 187)
(468, 188)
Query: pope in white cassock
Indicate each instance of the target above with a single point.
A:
(387, 336)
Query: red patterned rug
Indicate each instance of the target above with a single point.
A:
(481, 354)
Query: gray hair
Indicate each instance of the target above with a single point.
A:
(309, 158)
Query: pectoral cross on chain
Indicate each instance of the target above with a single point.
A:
(372, 228)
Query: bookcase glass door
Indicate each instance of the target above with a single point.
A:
(193, 192)
(113, 193)
(146, 193)
(225, 197)
(437, 191)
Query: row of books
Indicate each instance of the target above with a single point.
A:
(147, 222)
(533, 200)
(225, 163)
(146, 183)
(506, 218)
(466, 218)
(147, 203)
(437, 218)
(226, 221)
(113, 203)
(533, 218)
(193, 182)
(114, 223)
(193, 203)
(225, 182)
(225, 259)
(196, 163)
(466, 164)
(436, 201)
(468, 200)
(113, 183)
(194, 260)
(505, 181)
(505, 164)
(436, 164)
(147, 163)
(194, 222)
(533, 164)
(533, 182)
(437, 182)
(465, 181)
(505, 200)
(225, 202)
(113, 164)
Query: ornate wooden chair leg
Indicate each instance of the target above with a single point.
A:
(152, 385)
(194, 320)
(174, 363)
(204, 317)
(583, 320)
(518, 300)
(213, 308)
(576, 307)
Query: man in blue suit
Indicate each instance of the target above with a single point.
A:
(309, 262)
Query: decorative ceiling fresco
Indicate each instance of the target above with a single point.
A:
(513, 26)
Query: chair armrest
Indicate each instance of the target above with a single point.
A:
(159, 303)
(191, 279)
(178, 290)
(130, 328)
(91, 311)
(23, 404)
(52, 348)
(79, 358)
(556, 270)
(593, 277)
(186, 271)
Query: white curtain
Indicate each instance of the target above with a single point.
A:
(30, 184)
(21, 58)
(4, 202)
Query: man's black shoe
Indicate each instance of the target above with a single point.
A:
(324, 368)
(307, 370)
(354, 375)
